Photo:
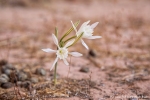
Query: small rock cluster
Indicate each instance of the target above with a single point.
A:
(11, 76)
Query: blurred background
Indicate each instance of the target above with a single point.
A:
(26, 27)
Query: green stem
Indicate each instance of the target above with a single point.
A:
(70, 38)
(69, 31)
(55, 71)
(55, 74)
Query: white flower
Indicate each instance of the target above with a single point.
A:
(87, 31)
(62, 52)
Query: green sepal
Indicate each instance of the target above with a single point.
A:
(56, 32)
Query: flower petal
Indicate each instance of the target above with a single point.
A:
(84, 44)
(54, 63)
(81, 28)
(94, 25)
(55, 40)
(94, 37)
(69, 43)
(65, 61)
(75, 54)
(74, 27)
(85, 23)
(48, 50)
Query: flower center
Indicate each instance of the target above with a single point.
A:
(62, 53)
(87, 31)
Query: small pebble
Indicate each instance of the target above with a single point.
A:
(40, 71)
(90, 98)
(10, 66)
(3, 80)
(8, 72)
(92, 53)
(133, 99)
(7, 67)
(22, 76)
(19, 83)
(106, 96)
(84, 69)
(26, 84)
(92, 84)
(7, 85)
(34, 80)
(4, 76)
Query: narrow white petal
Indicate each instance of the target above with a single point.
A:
(65, 61)
(55, 39)
(94, 25)
(94, 37)
(48, 50)
(74, 27)
(54, 63)
(69, 43)
(81, 28)
(85, 23)
(84, 44)
(75, 54)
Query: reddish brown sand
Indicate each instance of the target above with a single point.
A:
(124, 48)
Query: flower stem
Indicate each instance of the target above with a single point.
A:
(55, 71)
(70, 38)
(55, 74)
(69, 31)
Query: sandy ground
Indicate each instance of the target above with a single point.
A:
(124, 48)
